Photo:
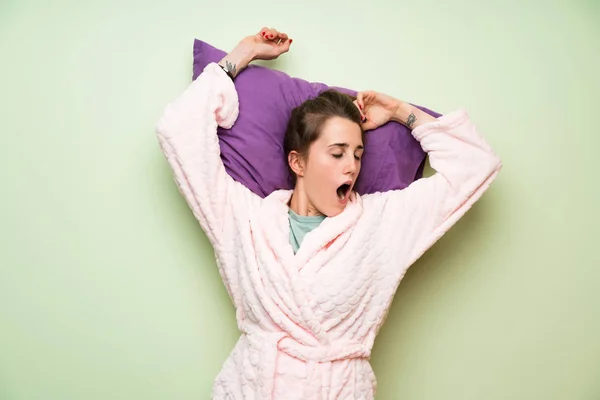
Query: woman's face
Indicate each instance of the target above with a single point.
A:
(332, 166)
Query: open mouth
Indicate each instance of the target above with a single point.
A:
(343, 191)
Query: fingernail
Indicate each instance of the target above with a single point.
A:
(271, 36)
(290, 41)
(264, 33)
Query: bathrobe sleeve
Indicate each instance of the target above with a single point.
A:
(187, 134)
(465, 167)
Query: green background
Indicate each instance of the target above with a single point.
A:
(108, 287)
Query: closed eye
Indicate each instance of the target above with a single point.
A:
(357, 158)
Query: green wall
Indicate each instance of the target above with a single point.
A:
(108, 287)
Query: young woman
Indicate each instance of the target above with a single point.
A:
(312, 271)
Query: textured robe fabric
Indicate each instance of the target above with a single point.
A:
(308, 320)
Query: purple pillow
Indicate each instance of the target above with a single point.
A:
(252, 150)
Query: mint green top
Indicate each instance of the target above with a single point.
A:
(300, 226)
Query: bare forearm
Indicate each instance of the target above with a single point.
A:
(237, 59)
(411, 116)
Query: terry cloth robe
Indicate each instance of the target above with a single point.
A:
(308, 320)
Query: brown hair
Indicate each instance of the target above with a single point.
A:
(307, 120)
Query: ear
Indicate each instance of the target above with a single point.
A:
(296, 163)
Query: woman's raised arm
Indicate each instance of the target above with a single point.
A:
(416, 217)
(187, 133)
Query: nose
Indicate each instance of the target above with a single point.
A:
(351, 168)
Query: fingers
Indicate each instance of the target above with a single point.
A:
(364, 98)
(363, 117)
(268, 33)
(285, 46)
(284, 41)
(360, 101)
(273, 35)
(363, 101)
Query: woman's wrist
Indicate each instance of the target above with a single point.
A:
(237, 59)
(411, 116)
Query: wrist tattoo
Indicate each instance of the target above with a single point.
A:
(411, 120)
(231, 67)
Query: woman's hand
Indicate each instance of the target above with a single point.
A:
(267, 44)
(378, 108)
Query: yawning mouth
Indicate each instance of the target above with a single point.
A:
(344, 190)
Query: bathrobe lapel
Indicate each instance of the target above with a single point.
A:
(295, 272)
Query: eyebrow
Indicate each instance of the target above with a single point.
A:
(346, 145)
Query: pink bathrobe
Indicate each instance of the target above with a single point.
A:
(308, 320)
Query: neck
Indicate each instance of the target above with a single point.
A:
(299, 203)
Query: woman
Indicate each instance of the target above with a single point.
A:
(312, 271)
